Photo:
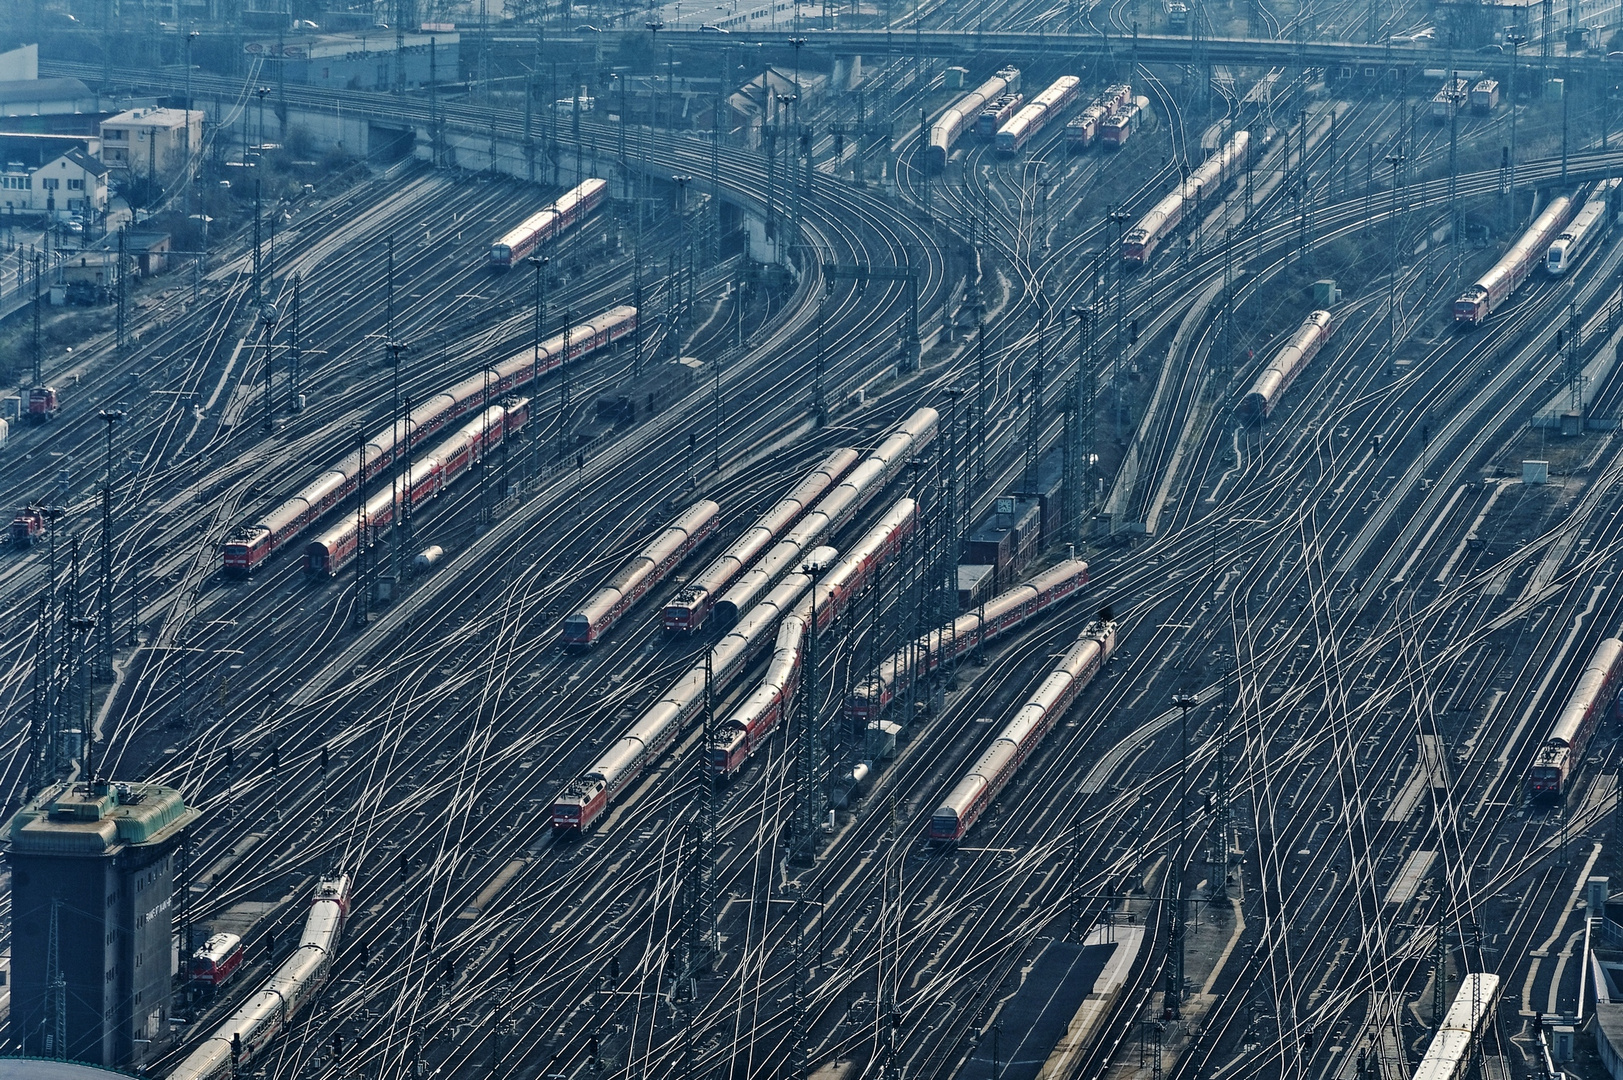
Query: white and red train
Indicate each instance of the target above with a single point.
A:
(543, 225)
(1139, 244)
(1556, 761)
(1258, 403)
(586, 626)
(963, 112)
(217, 960)
(251, 544)
(1034, 116)
(1080, 132)
(242, 1039)
(738, 736)
(832, 512)
(687, 612)
(1591, 221)
(1508, 274)
(996, 113)
(585, 799)
(970, 797)
(428, 476)
(1007, 611)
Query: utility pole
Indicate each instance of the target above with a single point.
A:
(1220, 794)
(294, 358)
(400, 476)
(1396, 161)
(363, 577)
(540, 266)
(1079, 441)
(678, 314)
(982, 405)
(1175, 959)
(104, 660)
(267, 321)
(1035, 415)
(809, 794)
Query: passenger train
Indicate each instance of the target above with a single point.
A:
(1189, 197)
(1007, 611)
(689, 609)
(1297, 353)
(1594, 698)
(1594, 219)
(573, 205)
(970, 797)
(242, 1039)
(427, 477)
(247, 548)
(1508, 274)
(832, 512)
(586, 626)
(1013, 136)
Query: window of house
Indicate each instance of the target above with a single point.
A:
(76, 185)
(51, 183)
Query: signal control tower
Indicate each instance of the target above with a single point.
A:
(92, 876)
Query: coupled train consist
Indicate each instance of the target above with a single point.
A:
(535, 230)
(428, 476)
(1508, 274)
(738, 736)
(1258, 404)
(1155, 227)
(583, 801)
(970, 797)
(831, 513)
(251, 544)
(653, 564)
(689, 609)
(965, 111)
(1556, 761)
(1080, 132)
(1007, 611)
(1032, 118)
(243, 1038)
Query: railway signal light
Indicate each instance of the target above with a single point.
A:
(591, 1048)
(236, 1047)
(366, 953)
(230, 759)
(450, 969)
(512, 962)
(324, 761)
(614, 967)
(1132, 332)
(337, 1045)
(405, 866)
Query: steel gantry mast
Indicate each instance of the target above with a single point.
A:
(810, 795)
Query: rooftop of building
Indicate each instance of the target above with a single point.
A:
(147, 118)
(16, 1068)
(13, 90)
(997, 524)
(98, 819)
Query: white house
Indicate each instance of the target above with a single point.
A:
(67, 182)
